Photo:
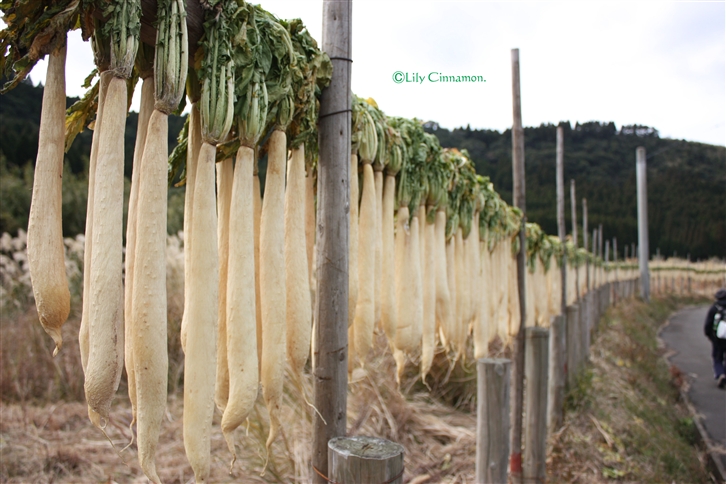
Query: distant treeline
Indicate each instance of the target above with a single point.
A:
(686, 180)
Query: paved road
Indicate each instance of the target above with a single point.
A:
(684, 335)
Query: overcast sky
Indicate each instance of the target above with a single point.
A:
(661, 64)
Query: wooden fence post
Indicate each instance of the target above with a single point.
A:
(557, 372)
(573, 342)
(535, 432)
(330, 372)
(518, 189)
(492, 419)
(643, 256)
(359, 459)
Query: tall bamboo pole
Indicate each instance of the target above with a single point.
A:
(643, 255)
(515, 460)
(331, 307)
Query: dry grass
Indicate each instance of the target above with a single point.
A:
(624, 419)
(56, 443)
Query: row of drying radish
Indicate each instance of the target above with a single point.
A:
(430, 245)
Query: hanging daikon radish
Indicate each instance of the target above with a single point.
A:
(443, 295)
(390, 259)
(437, 177)
(272, 222)
(145, 67)
(366, 140)
(149, 310)
(312, 70)
(379, 164)
(46, 253)
(459, 334)
(299, 309)
(102, 56)
(106, 292)
(241, 345)
(194, 144)
(225, 177)
(216, 109)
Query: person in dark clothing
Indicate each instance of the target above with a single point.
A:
(718, 345)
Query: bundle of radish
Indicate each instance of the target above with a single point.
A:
(241, 342)
(273, 303)
(217, 74)
(32, 31)
(436, 291)
(145, 68)
(365, 140)
(409, 284)
(106, 298)
(395, 155)
(379, 164)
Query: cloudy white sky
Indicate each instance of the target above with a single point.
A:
(662, 64)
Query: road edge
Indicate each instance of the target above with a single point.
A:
(717, 468)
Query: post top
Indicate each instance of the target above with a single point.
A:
(365, 447)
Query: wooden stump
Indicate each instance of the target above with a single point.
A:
(492, 419)
(535, 430)
(361, 459)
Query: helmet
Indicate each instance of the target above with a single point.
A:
(721, 294)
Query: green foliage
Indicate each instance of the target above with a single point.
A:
(19, 124)
(686, 212)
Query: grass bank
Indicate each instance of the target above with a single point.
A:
(624, 417)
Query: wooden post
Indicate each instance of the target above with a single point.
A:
(492, 419)
(585, 242)
(515, 461)
(573, 205)
(330, 383)
(557, 327)
(573, 342)
(642, 222)
(358, 459)
(535, 437)
(557, 371)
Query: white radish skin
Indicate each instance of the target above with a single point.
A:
(353, 245)
(105, 331)
(241, 315)
(272, 281)
(149, 311)
(428, 341)
(194, 144)
(225, 177)
(299, 307)
(443, 296)
(450, 329)
(201, 345)
(83, 331)
(146, 107)
(46, 253)
(257, 214)
(378, 176)
(388, 256)
(365, 307)
(404, 284)
(482, 326)
(461, 283)
(417, 284)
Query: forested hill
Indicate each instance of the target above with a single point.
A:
(686, 181)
